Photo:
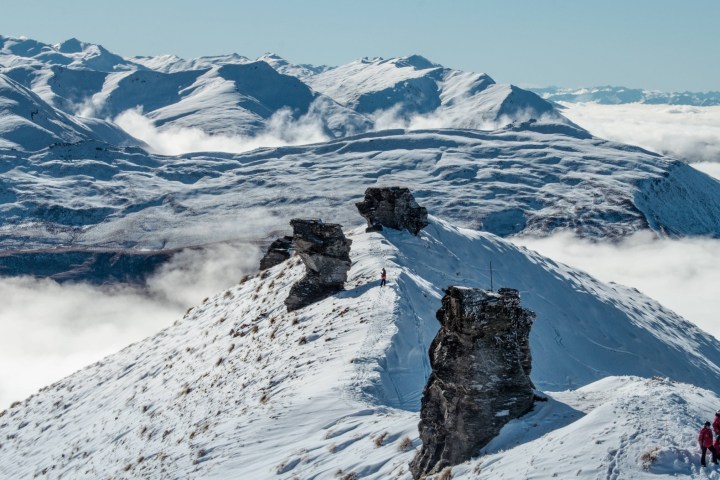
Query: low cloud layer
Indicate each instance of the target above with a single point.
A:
(281, 130)
(682, 274)
(689, 133)
(50, 330)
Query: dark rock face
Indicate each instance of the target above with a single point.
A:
(480, 379)
(325, 252)
(392, 207)
(277, 252)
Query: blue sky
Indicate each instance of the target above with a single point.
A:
(661, 44)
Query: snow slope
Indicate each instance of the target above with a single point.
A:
(529, 179)
(29, 123)
(239, 388)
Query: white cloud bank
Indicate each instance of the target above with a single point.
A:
(688, 133)
(682, 274)
(49, 330)
(281, 130)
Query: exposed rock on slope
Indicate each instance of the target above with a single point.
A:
(392, 207)
(480, 379)
(325, 252)
(277, 252)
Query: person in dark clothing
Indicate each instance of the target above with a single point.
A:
(383, 277)
(705, 439)
(716, 425)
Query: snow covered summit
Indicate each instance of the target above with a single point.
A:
(241, 388)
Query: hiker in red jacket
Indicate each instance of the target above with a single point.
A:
(383, 277)
(716, 424)
(705, 439)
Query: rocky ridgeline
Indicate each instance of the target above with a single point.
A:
(325, 252)
(392, 207)
(277, 252)
(480, 376)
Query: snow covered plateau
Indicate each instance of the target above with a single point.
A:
(109, 166)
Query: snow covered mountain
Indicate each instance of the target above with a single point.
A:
(232, 95)
(71, 53)
(410, 86)
(239, 388)
(29, 123)
(514, 180)
(619, 95)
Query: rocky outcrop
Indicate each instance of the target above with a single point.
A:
(480, 376)
(325, 252)
(277, 252)
(392, 207)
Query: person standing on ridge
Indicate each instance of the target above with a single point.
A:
(705, 439)
(383, 277)
(716, 424)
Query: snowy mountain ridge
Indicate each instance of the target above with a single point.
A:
(241, 388)
(509, 181)
(228, 94)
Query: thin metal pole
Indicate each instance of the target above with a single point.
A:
(491, 278)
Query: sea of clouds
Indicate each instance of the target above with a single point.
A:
(50, 330)
(685, 132)
(681, 273)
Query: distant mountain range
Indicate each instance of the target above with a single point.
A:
(233, 95)
(618, 95)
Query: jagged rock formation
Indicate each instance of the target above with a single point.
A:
(325, 252)
(392, 207)
(480, 379)
(277, 252)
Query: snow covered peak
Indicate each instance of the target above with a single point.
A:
(22, 46)
(71, 45)
(240, 388)
(72, 53)
(175, 64)
(273, 59)
(412, 92)
(416, 61)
